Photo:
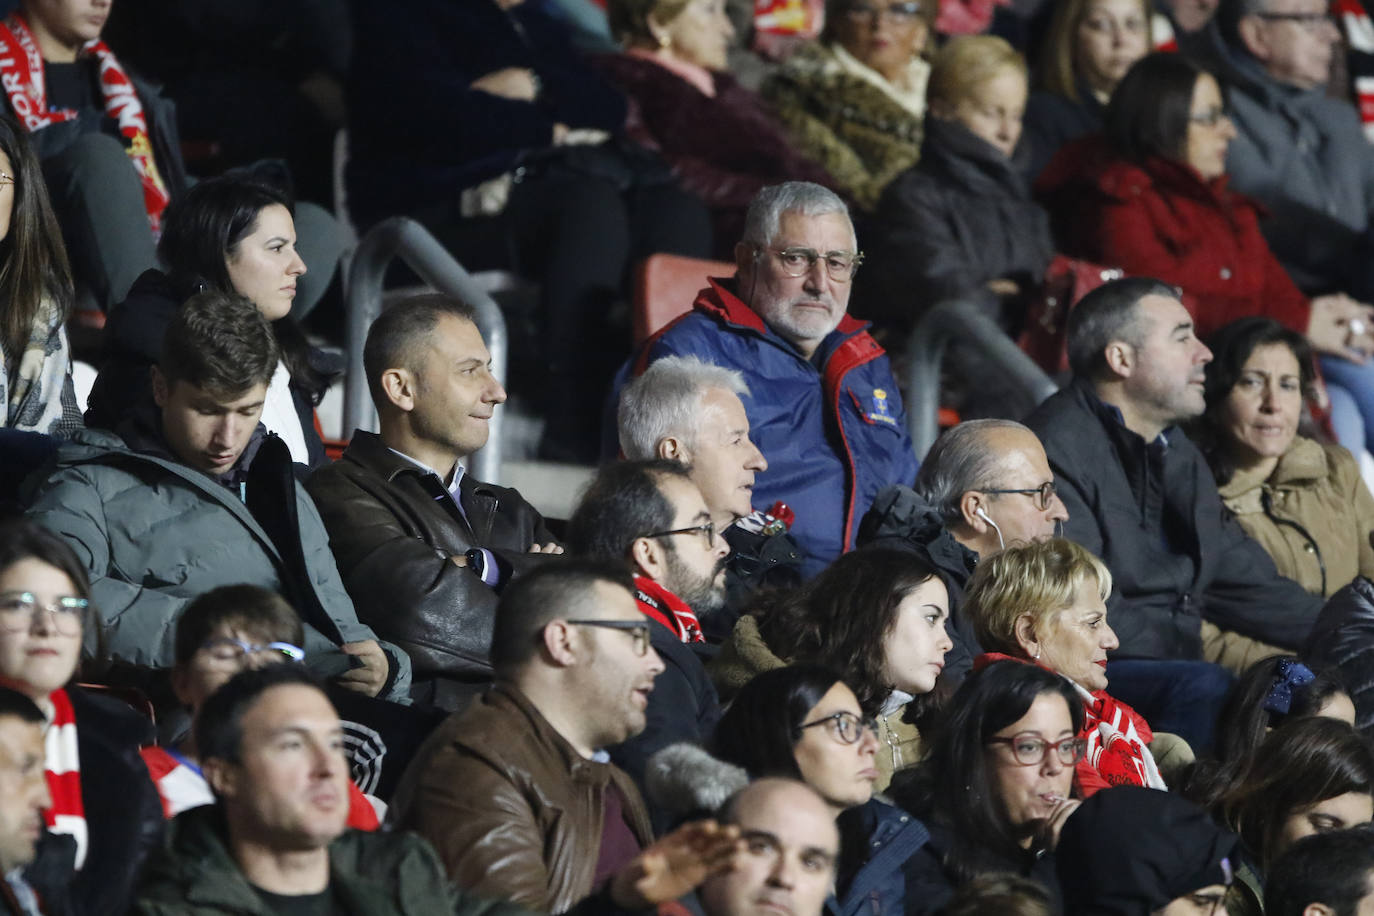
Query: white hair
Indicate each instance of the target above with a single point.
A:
(765, 212)
(666, 400)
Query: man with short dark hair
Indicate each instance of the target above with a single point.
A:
(1326, 874)
(649, 516)
(424, 548)
(1140, 495)
(825, 409)
(23, 796)
(194, 494)
(792, 850)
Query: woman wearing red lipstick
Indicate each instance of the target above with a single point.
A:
(1045, 603)
(233, 234)
(105, 809)
(994, 789)
(1303, 501)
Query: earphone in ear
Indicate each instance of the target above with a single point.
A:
(984, 516)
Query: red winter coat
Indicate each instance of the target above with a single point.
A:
(1162, 219)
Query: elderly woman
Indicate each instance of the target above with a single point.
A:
(1090, 46)
(887, 592)
(855, 101)
(994, 791)
(721, 140)
(961, 223)
(1303, 501)
(1045, 603)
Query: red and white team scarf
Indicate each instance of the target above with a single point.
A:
(21, 74)
(1355, 23)
(63, 765)
(657, 603)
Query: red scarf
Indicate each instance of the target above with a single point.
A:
(63, 765)
(21, 71)
(657, 603)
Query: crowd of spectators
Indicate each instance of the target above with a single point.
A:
(1111, 653)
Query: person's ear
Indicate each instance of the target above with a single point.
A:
(161, 390)
(1318, 909)
(649, 556)
(658, 31)
(1253, 36)
(746, 257)
(221, 775)
(969, 504)
(1120, 358)
(400, 388)
(560, 642)
(673, 449)
(1024, 631)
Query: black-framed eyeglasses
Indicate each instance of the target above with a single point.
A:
(798, 262)
(1030, 750)
(1043, 494)
(1209, 118)
(706, 530)
(638, 630)
(902, 13)
(19, 612)
(1312, 22)
(228, 649)
(845, 727)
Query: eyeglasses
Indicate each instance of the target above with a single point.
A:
(6, 178)
(1031, 750)
(226, 649)
(637, 629)
(798, 262)
(1042, 494)
(1312, 22)
(845, 727)
(1209, 118)
(19, 612)
(708, 531)
(900, 13)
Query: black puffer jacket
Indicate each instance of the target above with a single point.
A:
(1343, 637)
(1152, 512)
(961, 217)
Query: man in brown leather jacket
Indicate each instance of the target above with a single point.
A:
(424, 549)
(514, 792)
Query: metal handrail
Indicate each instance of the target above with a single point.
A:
(964, 321)
(401, 237)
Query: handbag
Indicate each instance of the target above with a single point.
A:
(1044, 335)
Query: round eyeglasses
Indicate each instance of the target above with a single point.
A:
(798, 262)
(1043, 494)
(1031, 750)
(845, 727)
(19, 612)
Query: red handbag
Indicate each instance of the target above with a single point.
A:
(1044, 333)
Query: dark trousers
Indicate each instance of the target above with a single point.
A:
(1180, 697)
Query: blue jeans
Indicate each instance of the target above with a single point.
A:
(1180, 697)
(1351, 387)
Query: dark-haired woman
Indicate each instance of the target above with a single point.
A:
(804, 722)
(104, 813)
(1152, 198)
(995, 788)
(886, 593)
(36, 392)
(1304, 502)
(232, 234)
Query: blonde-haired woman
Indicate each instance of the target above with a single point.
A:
(1044, 603)
(855, 101)
(1088, 49)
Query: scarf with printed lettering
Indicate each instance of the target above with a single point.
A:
(21, 74)
(63, 765)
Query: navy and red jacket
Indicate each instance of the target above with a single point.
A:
(832, 428)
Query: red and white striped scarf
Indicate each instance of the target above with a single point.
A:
(63, 765)
(21, 75)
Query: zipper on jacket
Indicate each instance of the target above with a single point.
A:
(1267, 503)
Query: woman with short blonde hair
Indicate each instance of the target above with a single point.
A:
(1044, 603)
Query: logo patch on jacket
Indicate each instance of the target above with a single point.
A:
(880, 412)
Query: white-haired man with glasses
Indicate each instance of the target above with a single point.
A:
(650, 516)
(825, 410)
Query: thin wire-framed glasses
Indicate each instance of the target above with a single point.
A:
(19, 612)
(638, 630)
(845, 727)
(6, 178)
(798, 262)
(1042, 494)
(228, 649)
(707, 531)
(1030, 750)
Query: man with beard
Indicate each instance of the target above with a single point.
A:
(825, 410)
(1139, 494)
(650, 516)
